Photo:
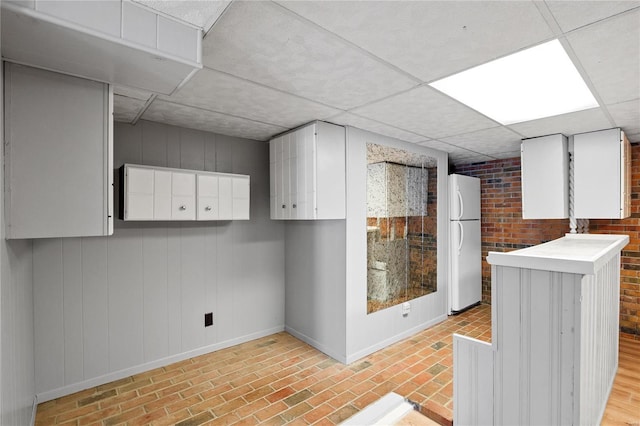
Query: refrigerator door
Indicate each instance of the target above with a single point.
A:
(464, 197)
(466, 264)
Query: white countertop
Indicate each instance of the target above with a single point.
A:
(573, 253)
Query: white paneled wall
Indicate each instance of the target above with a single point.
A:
(16, 322)
(109, 307)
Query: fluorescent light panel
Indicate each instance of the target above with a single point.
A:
(534, 83)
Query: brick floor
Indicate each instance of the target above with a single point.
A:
(277, 380)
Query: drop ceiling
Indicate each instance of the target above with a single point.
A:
(272, 66)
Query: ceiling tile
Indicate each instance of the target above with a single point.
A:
(572, 14)
(347, 119)
(201, 119)
(567, 124)
(131, 93)
(489, 141)
(441, 146)
(609, 53)
(239, 97)
(627, 116)
(126, 109)
(263, 42)
(457, 159)
(426, 112)
(431, 39)
(199, 13)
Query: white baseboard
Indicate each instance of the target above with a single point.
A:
(34, 409)
(319, 346)
(383, 344)
(121, 374)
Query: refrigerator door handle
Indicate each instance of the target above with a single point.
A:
(461, 203)
(461, 237)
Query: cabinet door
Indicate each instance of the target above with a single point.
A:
(274, 146)
(139, 194)
(161, 195)
(183, 196)
(280, 171)
(58, 155)
(545, 177)
(225, 200)
(208, 197)
(598, 170)
(241, 191)
(306, 173)
(289, 176)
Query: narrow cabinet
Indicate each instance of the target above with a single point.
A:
(58, 155)
(602, 175)
(307, 173)
(545, 177)
(159, 193)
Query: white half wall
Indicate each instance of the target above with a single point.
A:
(109, 307)
(367, 333)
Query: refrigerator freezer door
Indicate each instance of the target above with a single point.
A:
(464, 197)
(466, 264)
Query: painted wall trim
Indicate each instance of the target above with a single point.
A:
(398, 337)
(117, 375)
(319, 346)
(34, 409)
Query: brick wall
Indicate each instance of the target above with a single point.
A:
(503, 229)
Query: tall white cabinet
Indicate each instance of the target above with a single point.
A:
(59, 154)
(307, 173)
(159, 193)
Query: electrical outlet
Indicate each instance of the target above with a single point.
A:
(208, 319)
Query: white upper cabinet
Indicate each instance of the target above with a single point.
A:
(602, 175)
(545, 177)
(307, 173)
(59, 154)
(160, 193)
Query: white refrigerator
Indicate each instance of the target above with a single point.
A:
(465, 260)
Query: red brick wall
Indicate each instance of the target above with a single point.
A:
(503, 229)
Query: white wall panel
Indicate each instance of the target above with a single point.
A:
(125, 285)
(155, 291)
(17, 378)
(95, 313)
(193, 288)
(192, 150)
(174, 290)
(72, 270)
(48, 306)
(136, 300)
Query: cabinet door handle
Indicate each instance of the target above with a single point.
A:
(207, 209)
(294, 206)
(284, 206)
(182, 207)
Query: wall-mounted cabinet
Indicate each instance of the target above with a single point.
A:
(307, 169)
(602, 175)
(58, 154)
(159, 193)
(545, 177)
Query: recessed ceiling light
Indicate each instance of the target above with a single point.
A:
(534, 83)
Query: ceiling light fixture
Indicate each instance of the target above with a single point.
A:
(531, 84)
